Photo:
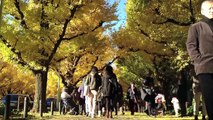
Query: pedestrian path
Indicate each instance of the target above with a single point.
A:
(127, 116)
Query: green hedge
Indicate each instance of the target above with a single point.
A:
(2, 108)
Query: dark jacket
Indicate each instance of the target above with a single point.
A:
(200, 47)
(132, 94)
(109, 85)
(120, 91)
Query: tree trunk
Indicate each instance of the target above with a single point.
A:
(40, 90)
(1, 9)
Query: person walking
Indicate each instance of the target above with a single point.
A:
(82, 99)
(93, 81)
(176, 105)
(86, 96)
(161, 102)
(148, 94)
(120, 97)
(132, 97)
(109, 86)
(182, 92)
(199, 46)
(198, 99)
(67, 100)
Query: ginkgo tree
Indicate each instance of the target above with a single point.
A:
(15, 79)
(158, 29)
(34, 30)
(163, 26)
(79, 61)
(133, 67)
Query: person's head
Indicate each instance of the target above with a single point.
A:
(148, 81)
(207, 8)
(94, 70)
(109, 69)
(132, 85)
(65, 89)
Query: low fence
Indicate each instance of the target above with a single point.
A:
(8, 109)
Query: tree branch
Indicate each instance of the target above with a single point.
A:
(83, 33)
(156, 54)
(148, 36)
(1, 11)
(169, 20)
(23, 23)
(19, 58)
(192, 17)
(61, 36)
(80, 78)
(3, 86)
(62, 77)
(72, 67)
(44, 24)
(61, 59)
(101, 69)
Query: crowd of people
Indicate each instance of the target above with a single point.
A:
(101, 94)
(98, 95)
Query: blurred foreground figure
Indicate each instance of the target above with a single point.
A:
(199, 46)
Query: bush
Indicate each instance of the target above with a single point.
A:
(190, 110)
(2, 108)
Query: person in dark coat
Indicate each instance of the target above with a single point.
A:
(132, 97)
(198, 98)
(109, 86)
(182, 92)
(199, 46)
(120, 100)
(148, 94)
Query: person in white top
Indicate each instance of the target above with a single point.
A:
(176, 105)
(161, 102)
(66, 98)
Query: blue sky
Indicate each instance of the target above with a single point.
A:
(121, 13)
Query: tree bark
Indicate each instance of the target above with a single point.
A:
(1, 9)
(40, 90)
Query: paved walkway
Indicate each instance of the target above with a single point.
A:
(127, 116)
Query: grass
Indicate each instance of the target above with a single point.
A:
(127, 116)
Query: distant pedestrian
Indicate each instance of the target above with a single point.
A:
(198, 97)
(67, 100)
(81, 99)
(132, 96)
(176, 105)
